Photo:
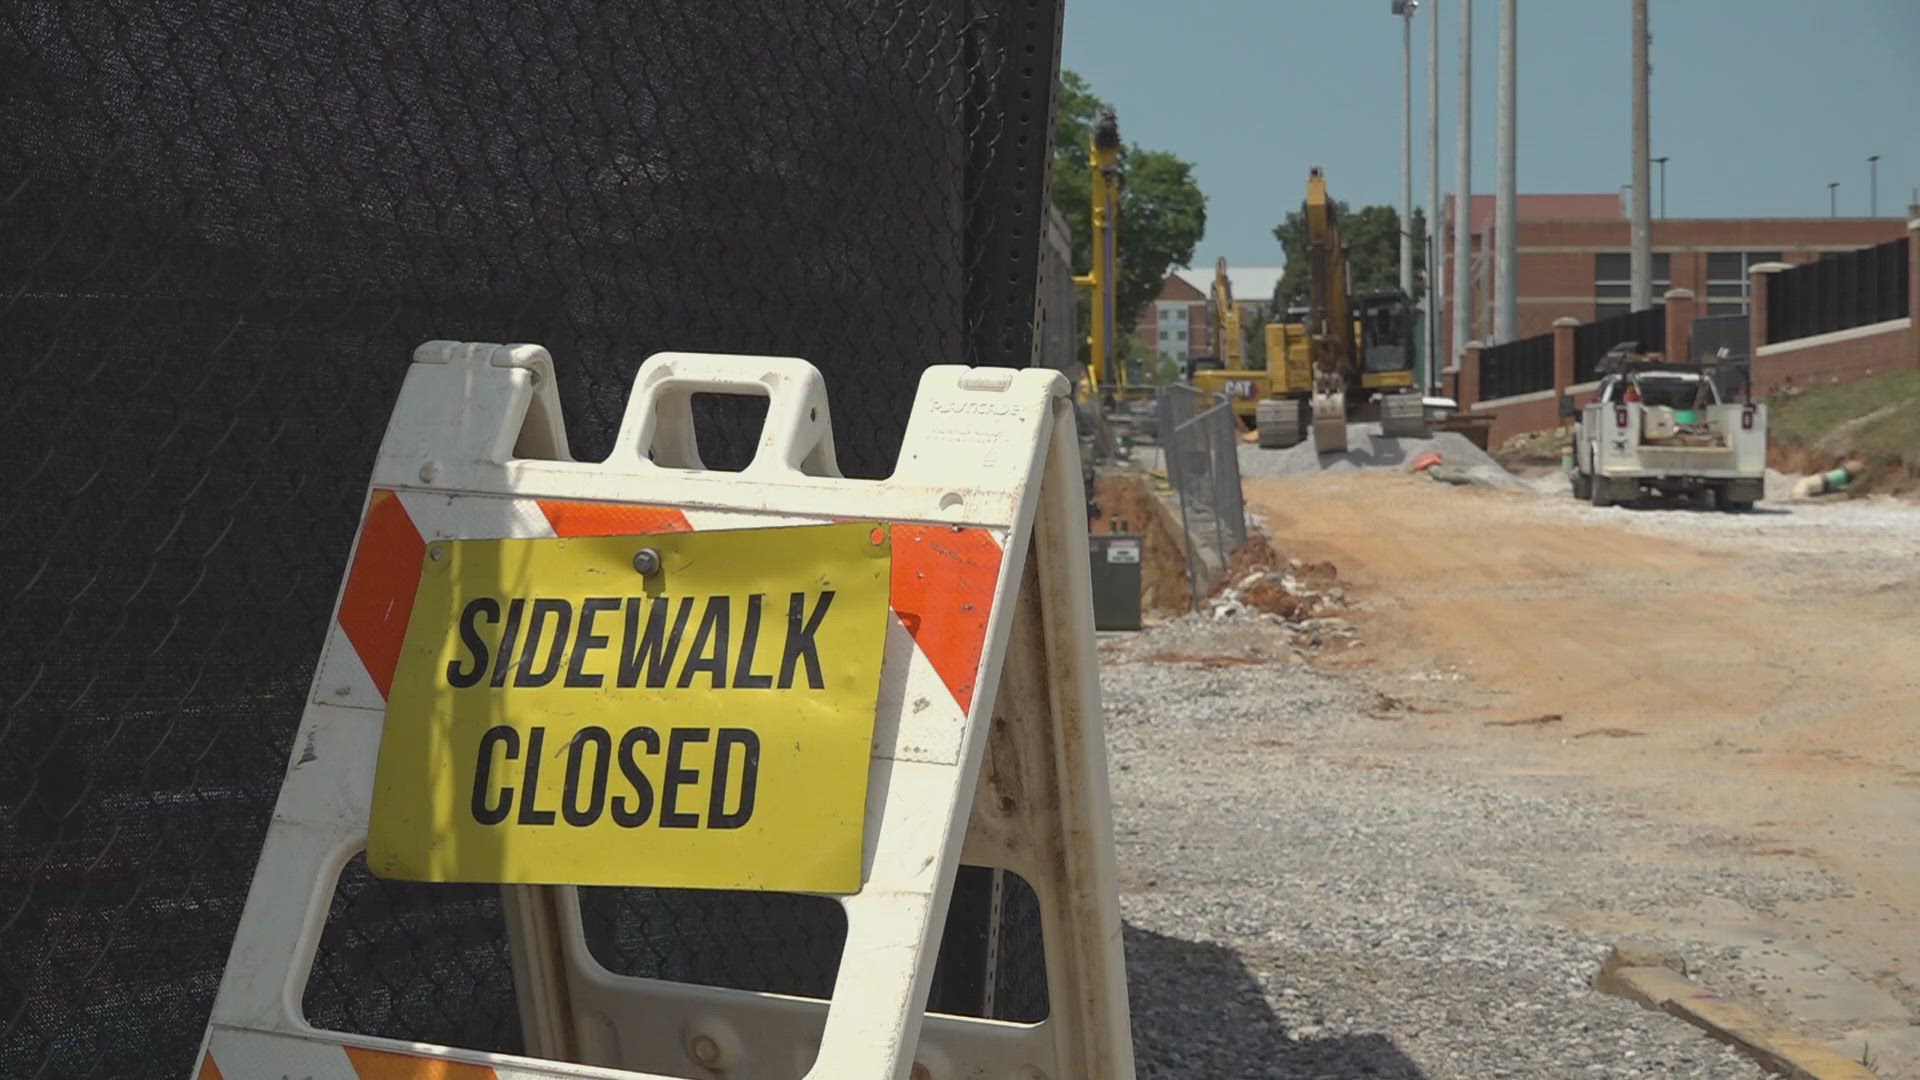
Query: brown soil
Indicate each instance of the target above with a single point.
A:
(1881, 477)
(1725, 684)
(1127, 504)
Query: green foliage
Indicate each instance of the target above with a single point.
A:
(1253, 328)
(1372, 236)
(1877, 418)
(1162, 212)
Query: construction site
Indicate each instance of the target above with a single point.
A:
(548, 544)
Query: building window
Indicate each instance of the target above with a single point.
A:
(1727, 280)
(1613, 281)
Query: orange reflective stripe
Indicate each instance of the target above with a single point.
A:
(380, 586)
(208, 1070)
(611, 519)
(943, 581)
(381, 1065)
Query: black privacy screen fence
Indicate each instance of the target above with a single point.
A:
(224, 226)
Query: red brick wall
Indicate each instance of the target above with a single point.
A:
(1839, 361)
(1528, 416)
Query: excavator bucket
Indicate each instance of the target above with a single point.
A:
(1330, 423)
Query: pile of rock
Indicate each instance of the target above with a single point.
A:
(1297, 595)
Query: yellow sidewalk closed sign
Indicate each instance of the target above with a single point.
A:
(688, 710)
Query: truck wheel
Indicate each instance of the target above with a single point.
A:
(1731, 505)
(1582, 486)
(1277, 420)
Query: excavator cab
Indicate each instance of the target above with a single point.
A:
(1386, 339)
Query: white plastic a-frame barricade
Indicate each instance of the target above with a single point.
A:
(987, 745)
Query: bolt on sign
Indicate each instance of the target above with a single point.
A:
(544, 673)
(558, 717)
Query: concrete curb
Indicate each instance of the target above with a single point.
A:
(1642, 975)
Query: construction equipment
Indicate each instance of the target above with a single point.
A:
(1103, 161)
(1661, 426)
(1358, 343)
(1228, 372)
(1226, 318)
(1325, 361)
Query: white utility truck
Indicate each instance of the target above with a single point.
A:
(1662, 427)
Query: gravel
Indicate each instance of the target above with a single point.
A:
(1301, 902)
(1368, 449)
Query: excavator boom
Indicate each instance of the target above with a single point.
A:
(1226, 317)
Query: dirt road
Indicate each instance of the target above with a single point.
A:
(1755, 674)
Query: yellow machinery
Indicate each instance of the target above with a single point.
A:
(1226, 317)
(1356, 345)
(1103, 159)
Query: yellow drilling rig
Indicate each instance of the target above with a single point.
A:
(1103, 160)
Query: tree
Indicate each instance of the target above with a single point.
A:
(1372, 237)
(1162, 212)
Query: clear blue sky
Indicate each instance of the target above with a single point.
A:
(1759, 103)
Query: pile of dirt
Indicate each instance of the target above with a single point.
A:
(1127, 504)
(1536, 452)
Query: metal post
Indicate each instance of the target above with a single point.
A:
(1406, 149)
(1436, 284)
(1463, 191)
(1873, 185)
(1662, 162)
(1506, 213)
(1833, 198)
(1641, 293)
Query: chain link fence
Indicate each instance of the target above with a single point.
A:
(1199, 443)
(225, 225)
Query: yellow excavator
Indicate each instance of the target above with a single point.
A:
(1226, 318)
(1356, 345)
(1325, 360)
(1227, 372)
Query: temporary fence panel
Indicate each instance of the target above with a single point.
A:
(1199, 441)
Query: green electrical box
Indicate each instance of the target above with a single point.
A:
(1116, 580)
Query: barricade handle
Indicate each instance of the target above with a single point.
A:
(658, 428)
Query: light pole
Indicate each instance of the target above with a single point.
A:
(1436, 283)
(1833, 198)
(1640, 290)
(1462, 291)
(1873, 185)
(1505, 212)
(1405, 9)
(1662, 162)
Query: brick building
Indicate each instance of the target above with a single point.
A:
(1178, 323)
(1574, 259)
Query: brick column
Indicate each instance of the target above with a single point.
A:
(1563, 357)
(1470, 375)
(1563, 328)
(1679, 325)
(1757, 305)
(1913, 286)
